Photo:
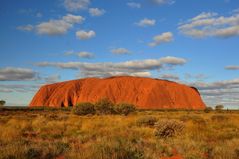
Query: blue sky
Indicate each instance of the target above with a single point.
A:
(185, 41)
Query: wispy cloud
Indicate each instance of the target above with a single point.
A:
(146, 22)
(82, 54)
(134, 5)
(220, 92)
(161, 38)
(211, 24)
(161, 2)
(76, 5)
(85, 54)
(17, 74)
(232, 67)
(22, 88)
(28, 27)
(52, 78)
(169, 76)
(120, 51)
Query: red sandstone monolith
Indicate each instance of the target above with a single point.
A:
(145, 93)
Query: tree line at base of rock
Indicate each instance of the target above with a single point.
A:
(102, 107)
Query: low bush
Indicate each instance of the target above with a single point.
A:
(124, 108)
(104, 106)
(208, 109)
(33, 153)
(84, 109)
(219, 118)
(168, 128)
(146, 121)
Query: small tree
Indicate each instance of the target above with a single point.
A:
(104, 106)
(84, 109)
(2, 102)
(124, 108)
(219, 107)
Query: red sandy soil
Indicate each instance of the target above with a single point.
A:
(174, 157)
(145, 93)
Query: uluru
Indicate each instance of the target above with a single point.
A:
(145, 93)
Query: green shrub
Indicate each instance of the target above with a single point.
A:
(168, 128)
(124, 108)
(104, 106)
(146, 121)
(84, 109)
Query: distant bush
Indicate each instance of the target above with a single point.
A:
(104, 106)
(84, 109)
(208, 109)
(219, 107)
(2, 102)
(146, 121)
(168, 128)
(124, 108)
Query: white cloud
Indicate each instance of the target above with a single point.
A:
(76, 5)
(53, 27)
(134, 5)
(17, 74)
(232, 67)
(146, 22)
(108, 68)
(84, 35)
(85, 54)
(26, 27)
(120, 51)
(162, 38)
(58, 27)
(72, 19)
(211, 24)
(96, 12)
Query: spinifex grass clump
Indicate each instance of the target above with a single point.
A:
(168, 128)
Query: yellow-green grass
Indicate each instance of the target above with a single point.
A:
(61, 134)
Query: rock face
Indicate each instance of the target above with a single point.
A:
(145, 93)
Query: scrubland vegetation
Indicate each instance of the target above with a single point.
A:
(61, 133)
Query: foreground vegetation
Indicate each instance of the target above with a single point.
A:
(59, 133)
